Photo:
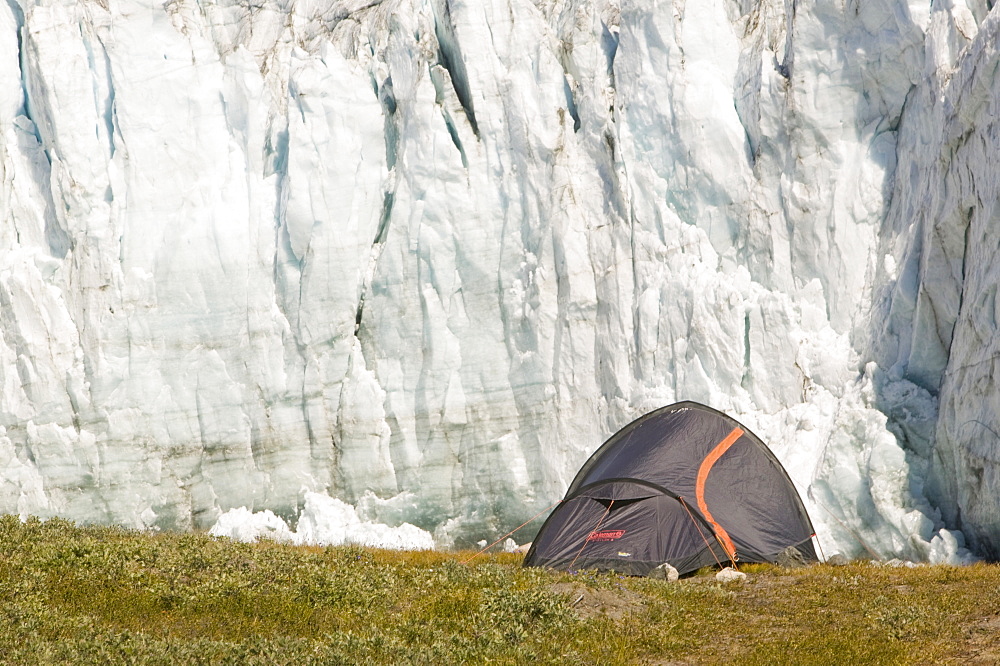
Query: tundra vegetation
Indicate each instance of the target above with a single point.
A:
(90, 595)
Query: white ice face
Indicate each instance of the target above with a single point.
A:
(429, 254)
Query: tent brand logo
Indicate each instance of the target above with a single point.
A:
(607, 535)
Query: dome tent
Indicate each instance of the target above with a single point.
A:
(684, 484)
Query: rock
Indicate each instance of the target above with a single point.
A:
(664, 572)
(838, 560)
(791, 557)
(730, 575)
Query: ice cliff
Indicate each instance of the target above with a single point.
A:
(425, 255)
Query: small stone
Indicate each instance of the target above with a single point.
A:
(790, 557)
(838, 560)
(731, 575)
(664, 572)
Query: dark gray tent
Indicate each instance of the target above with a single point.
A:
(686, 485)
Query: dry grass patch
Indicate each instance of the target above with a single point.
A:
(102, 595)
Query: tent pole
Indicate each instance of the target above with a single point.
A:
(821, 553)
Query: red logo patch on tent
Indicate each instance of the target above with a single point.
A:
(608, 535)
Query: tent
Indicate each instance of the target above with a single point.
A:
(686, 485)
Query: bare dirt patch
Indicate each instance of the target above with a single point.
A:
(982, 646)
(589, 603)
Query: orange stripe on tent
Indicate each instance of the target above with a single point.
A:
(706, 466)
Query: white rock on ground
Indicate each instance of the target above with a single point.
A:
(730, 575)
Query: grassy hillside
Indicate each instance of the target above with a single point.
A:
(100, 595)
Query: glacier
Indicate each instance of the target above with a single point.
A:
(423, 256)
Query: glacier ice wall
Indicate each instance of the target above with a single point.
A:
(440, 249)
(937, 278)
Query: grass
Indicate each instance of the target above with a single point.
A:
(109, 596)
